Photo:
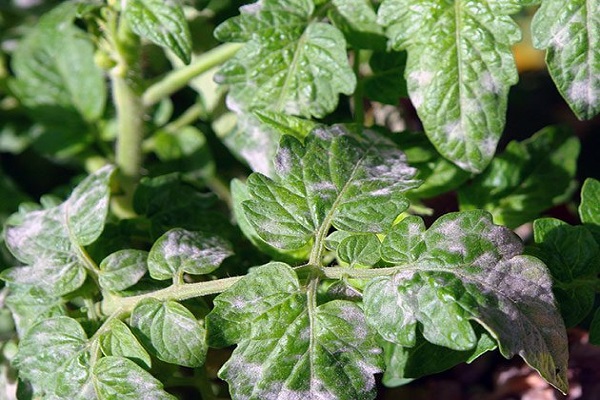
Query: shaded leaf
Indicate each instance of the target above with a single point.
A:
(573, 258)
(595, 329)
(179, 251)
(515, 187)
(567, 30)
(459, 70)
(163, 23)
(468, 270)
(386, 84)
(589, 209)
(288, 347)
(170, 331)
(291, 63)
(424, 358)
(55, 70)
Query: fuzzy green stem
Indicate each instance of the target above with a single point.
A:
(182, 76)
(178, 292)
(130, 113)
(359, 111)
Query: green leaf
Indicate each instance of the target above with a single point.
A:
(163, 23)
(595, 329)
(55, 70)
(170, 331)
(120, 378)
(337, 179)
(424, 358)
(358, 21)
(288, 347)
(117, 340)
(53, 358)
(573, 258)
(515, 188)
(359, 250)
(51, 241)
(459, 70)
(463, 269)
(567, 30)
(386, 84)
(291, 63)
(589, 209)
(122, 269)
(239, 193)
(179, 251)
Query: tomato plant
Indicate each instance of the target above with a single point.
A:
(193, 186)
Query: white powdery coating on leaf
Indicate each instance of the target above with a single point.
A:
(253, 8)
(453, 130)
(283, 161)
(421, 78)
(488, 82)
(583, 91)
(258, 155)
(367, 371)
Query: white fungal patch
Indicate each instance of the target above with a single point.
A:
(453, 130)
(283, 162)
(583, 91)
(253, 8)
(489, 84)
(417, 98)
(421, 78)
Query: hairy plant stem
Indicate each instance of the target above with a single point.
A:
(182, 76)
(125, 305)
(357, 98)
(175, 292)
(130, 115)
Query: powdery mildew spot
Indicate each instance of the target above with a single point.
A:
(583, 91)
(488, 82)
(421, 78)
(253, 8)
(283, 161)
(453, 130)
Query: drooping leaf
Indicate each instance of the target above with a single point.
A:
(179, 251)
(515, 187)
(122, 269)
(170, 331)
(337, 179)
(464, 269)
(459, 70)
(573, 258)
(50, 241)
(120, 378)
(55, 70)
(117, 340)
(403, 363)
(53, 358)
(163, 23)
(589, 209)
(358, 21)
(291, 63)
(567, 30)
(288, 346)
